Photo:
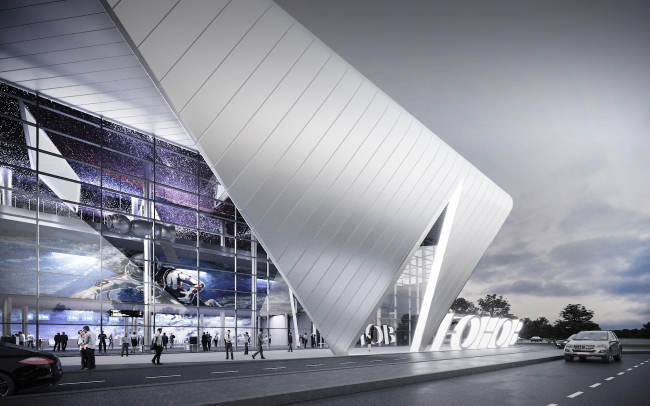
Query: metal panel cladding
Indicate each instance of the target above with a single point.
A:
(338, 181)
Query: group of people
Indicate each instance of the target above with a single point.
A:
(86, 343)
(60, 341)
(27, 341)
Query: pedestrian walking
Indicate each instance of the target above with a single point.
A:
(102, 342)
(21, 338)
(89, 343)
(80, 345)
(369, 339)
(260, 344)
(134, 341)
(165, 340)
(157, 347)
(290, 340)
(227, 339)
(247, 341)
(30, 340)
(64, 341)
(209, 340)
(125, 344)
(110, 341)
(172, 337)
(269, 341)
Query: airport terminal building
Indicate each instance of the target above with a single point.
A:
(215, 166)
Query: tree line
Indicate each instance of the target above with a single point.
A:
(573, 319)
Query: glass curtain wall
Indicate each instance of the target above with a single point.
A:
(95, 216)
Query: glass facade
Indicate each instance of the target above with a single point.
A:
(95, 216)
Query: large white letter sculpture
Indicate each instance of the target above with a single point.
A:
(484, 332)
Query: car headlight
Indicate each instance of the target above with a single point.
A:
(568, 346)
(601, 346)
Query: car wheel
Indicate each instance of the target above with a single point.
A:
(619, 356)
(568, 358)
(608, 357)
(7, 386)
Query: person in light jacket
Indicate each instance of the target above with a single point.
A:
(125, 344)
(227, 339)
(80, 345)
(158, 347)
(260, 344)
(90, 339)
(247, 341)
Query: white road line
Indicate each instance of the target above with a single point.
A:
(315, 365)
(610, 378)
(552, 404)
(636, 366)
(376, 360)
(79, 383)
(573, 395)
(161, 376)
(620, 373)
(277, 368)
(349, 362)
(629, 369)
(594, 385)
(399, 359)
(225, 372)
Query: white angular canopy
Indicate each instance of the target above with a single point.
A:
(339, 182)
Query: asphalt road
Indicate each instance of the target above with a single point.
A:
(113, 376)
(588, 383)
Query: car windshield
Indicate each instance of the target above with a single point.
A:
(591, 335)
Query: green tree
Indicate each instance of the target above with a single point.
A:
(463, 306)
(494, 306)
(645, 332)
(540, 327)
(574, 319)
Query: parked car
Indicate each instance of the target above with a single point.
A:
(22, 368)
(562, 343)
(602, 344)
(536, 339)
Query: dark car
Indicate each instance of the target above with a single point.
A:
(22, 368)
(562, 343)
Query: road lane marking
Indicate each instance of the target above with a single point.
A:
(79, 383)
(552, 404)
(315, 365)
(399, 359)
(376, 360)
(573, 395)
(349, 362)
(594, 385)
(636, 366)
(276, 368)
(629, 369)
(620, 373)
(610, 378)
(225, 372)
(161, 376)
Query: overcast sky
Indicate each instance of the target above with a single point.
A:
(551, 100)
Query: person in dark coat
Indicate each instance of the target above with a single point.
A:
(64, 341)
(165, 340)
(204, 342)
(290, 340)
(57, 342)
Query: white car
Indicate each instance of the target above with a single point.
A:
(536, 339)
(602, 344)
